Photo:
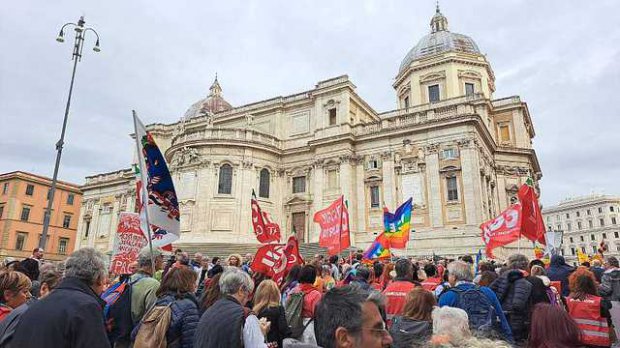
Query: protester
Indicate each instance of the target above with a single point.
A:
(328, 281)
(414, 327)
(396, 292)
(197, 265)
(234, 260)
(267, 305)
(610, 280)
(361, 278)
(486, 278)
(552, 327)
(178, 254)
(350, 317)
(432, 279)
(247, 261)
(518, 292)
(552, 293)
(214, 262)
(14, 291)
(31, 265)
(211, 293)
(590, 311)
(311, 296)
(144, 286)
(72, 313)
(227, 323)
(559, 271)
(333, 263)
(376, 276)
(480, 303)
(217, 269)
(597, 270)
(291, 282)
(451, 329)
(176, 291)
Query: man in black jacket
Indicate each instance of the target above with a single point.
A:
(518, 292)
(72, 315)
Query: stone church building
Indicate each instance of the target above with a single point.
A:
(449, 143)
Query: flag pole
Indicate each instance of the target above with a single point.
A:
(144, 194)
(340, 229)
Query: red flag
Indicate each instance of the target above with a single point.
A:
(532, 225)
(275, 260)
(334, 222)
(502, 230)
(265, 230)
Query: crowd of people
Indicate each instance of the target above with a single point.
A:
(326, 302)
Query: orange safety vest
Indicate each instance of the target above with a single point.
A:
(587, 314)
(430, 284)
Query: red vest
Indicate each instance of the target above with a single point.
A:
(395, 294)
(587, 314)
(431, 283)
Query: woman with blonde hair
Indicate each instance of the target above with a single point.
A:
(234, 260)
(14, 291)
(267, 305)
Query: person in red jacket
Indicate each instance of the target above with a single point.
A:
(396, 292)
(590, 311)
(432, 279)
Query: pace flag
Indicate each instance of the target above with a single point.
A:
(157, 197)
(334, 222)
(275, 260)
(379, 249)
(398, 225)
(502, 230)
(265, 230)
(532, 225)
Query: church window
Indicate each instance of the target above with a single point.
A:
(87, 229)
(433, 93)
(469, 89)
(592, 237)
(373, 164)
(225, 180)
(374, 196)
(453, 192)
(263, 189)
(299, 184)
(406, 102)
(332, 179)
(450, 153)
(504, 132)
(332, 116)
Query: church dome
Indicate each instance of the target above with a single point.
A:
(440, 40)
(212, 104)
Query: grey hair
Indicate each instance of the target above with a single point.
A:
(86, 264)
(461, 270)
(234, 279)
(452, 322)
(144, 257)
(342, 307)
(518, 261)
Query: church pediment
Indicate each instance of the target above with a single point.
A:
(298, 200)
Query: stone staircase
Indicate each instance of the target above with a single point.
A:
(222, 250)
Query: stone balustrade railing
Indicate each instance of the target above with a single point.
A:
(506, 101)
(239, 134)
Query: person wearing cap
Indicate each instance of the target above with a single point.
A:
(610, 281)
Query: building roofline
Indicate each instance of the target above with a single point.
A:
(24, 175)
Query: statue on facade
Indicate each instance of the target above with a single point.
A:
(249, 120)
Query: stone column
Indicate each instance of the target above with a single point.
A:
(434, 186)
(389, 182)
(347, 182)
(472, 190)
(360, 199)
(114, 222)
(318, 179)
(79, 233)
(94, 226)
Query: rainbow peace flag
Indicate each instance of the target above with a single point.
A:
(398, 225)
(379, 249)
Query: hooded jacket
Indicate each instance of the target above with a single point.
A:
(610, 285)
(514, 292)
(559, 271)
(408, 333)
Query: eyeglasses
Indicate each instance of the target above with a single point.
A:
(379, 332)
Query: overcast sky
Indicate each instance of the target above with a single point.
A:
(159, 57)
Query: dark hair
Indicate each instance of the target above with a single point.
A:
(35, 250)
(179, 281)
(333, 259)
(430, 270)
(612, 261)
(468, 259)
(377, 267)
(51, 277)
(486, 266)
(403, 267)
(552, 327)
(211, 294)
(359, 256)
(536, 262)
(419, 304)
(487, 277)
(217, 269)
(582, 283)
(586, 264)
(339, 307)
(363, 273)
(307, 275)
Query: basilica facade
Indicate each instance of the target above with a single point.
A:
(449, 143)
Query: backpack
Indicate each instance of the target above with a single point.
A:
(117, 310)
(480, 310)
(153, 328)
(294, 305)
(409, 333)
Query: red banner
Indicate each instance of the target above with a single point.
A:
(532, 225)
(265, 230)
(334, 222)
(502, 230)
(275, 260)
(128, 243)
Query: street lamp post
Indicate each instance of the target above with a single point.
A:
(80, 32)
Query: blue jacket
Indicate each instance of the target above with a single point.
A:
(559, 271)
(449, 299)
(183, 321)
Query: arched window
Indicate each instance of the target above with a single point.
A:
(225, 182)
(263, 188)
